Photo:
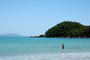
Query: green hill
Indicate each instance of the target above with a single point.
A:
(68, 29)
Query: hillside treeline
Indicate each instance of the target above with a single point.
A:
(69, 29)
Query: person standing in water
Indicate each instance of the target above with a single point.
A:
(62, 46)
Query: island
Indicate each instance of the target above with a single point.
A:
(69, 29)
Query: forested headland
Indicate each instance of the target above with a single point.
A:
(69, 29)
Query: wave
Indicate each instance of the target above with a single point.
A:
(62, 56)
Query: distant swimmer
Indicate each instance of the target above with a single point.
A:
(62, 46)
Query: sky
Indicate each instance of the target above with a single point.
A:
(35, 17)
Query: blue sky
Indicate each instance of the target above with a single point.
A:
(35, 17)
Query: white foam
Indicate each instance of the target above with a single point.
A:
(62, 56)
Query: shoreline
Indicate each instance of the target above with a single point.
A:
(59, 37)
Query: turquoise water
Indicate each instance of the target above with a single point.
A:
(22, 48)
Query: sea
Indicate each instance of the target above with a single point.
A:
(25, 48)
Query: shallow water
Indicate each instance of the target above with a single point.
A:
(21, 48)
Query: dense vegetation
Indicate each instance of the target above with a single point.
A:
(68, 29)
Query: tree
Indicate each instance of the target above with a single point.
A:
(41, 36)
(86, 32)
